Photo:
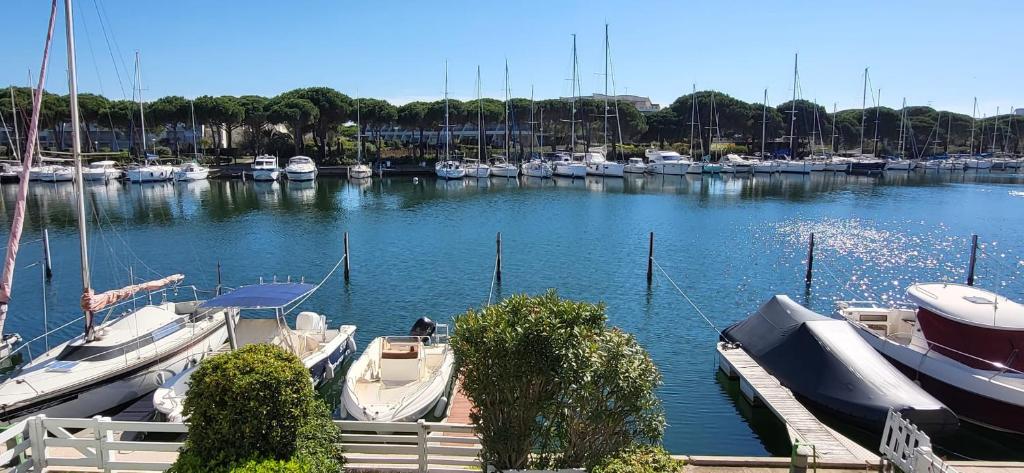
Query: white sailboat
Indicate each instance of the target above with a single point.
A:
(448, 168)
(535, 167)
(500, 165)
(359, 170)
(322, 350)
(123, 357)
(150, 170)
(476, 167)
(192, 171)
(596, 158)
(571, 164)
(399, 379)
(101, 171)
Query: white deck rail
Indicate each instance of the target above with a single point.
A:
(40, 444)
(908, 448)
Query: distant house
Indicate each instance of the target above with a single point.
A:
(642, 104)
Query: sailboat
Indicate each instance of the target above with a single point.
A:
(448, 168)
(128, 353)
(477, 167)
(706, 166)
(192, 171)
(900, 163)
(535, 167)
(500, 165)
(359, 170)
(569, 164)
(150, 170)
(596, 158)
(864, 163)
(792, 165)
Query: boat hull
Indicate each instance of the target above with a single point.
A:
(634, 169)
(157, 174)
(478, 172)
(504, 171)
(606, 169)
(570, 170)
(191, 175)
(538, 170)
(301, 175)
(671, 169)
(265, 174)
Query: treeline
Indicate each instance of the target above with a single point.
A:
(314, 119)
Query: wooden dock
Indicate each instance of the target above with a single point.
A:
(460, 407)
(759, 388)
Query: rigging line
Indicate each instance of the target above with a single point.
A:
(706, 319)
(315, 288)
(110, 49)
(494, 278)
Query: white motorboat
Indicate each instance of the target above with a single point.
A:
(635, 166)
(101, 171)
(191, 171)
(322, 350)
(739, 164)
(958, 343)
(666, 162)
(598, 165)
(500, 167)
(569, 165)
(264, 168)
(360, 171)
(695, 168)
(300, 168)
(537, 168)
(400, 379)
(476, 169)
(149, 171)
(54, 173)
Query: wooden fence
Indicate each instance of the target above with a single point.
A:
(41, 444)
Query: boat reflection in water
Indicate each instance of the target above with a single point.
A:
(303, 192)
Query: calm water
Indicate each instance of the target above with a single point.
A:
(427, 248)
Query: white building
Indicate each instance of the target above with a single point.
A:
(642, 104)
(1019, 111)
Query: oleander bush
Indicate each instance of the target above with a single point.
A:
(256, 404)
(554, 386)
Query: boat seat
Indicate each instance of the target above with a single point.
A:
(400, 352)
(309, 322)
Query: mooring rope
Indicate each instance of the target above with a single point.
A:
(494, 279)
(688, 300)
(315, 288)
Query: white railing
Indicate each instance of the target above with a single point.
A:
(40, 444)
(908, 448)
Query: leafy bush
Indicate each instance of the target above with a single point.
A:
(639, 459)
(273, 466)
(256, 403)
(549, 378)
(163, 151)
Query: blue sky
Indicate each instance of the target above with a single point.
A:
(937, 52)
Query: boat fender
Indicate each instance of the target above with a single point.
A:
(440, 407)
(160, 378)
(342, 412)
(328, 370)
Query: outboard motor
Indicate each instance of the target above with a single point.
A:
(423, 327)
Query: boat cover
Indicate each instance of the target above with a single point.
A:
(260, 296)
(824, 361)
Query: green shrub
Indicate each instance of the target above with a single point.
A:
(551, 381)
(256, 403)
(274, 466)
(639, 459)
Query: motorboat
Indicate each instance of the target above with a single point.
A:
(635, 166)
(360, 171)
(322, 350)
(400, 379)
(476, 169)
(739, 163)
(708, 167)
(191, 171)
(569, 165)
(54, 173)
(101, 171)
(598, 164)
(537, 168)
(129, 356)
(149, 171)
(500, 167)
(264, 168)
(666, 162)
(826, 364)
(300, 168)
(959, 342)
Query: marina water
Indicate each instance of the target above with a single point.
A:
(426, 248)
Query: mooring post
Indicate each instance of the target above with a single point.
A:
(497, 264)
(810, 261)
(218, 278)
(974, 259)
(346, 257)
(650, 260)
(46, 254)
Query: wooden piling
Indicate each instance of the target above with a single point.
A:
(497, 264)
(218, 278)
(346, 258)
(974, 259)
(810, 261)
(650, 260)
(48, 266)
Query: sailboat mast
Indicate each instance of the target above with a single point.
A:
(14, 112)
(533, 137)
(447, 139)
(764, 120)
(878, 108)
(995, 129)
(606, 84)
(572, 118)
(693, 116)
(835, 132)
(142, 111)
(903, 118)
(508, 121)
(359, 134)
(792, 112)
(76, 156)
(863, 109)
(195, 145)
(949, 132)
(974, 113)
(479, 118)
